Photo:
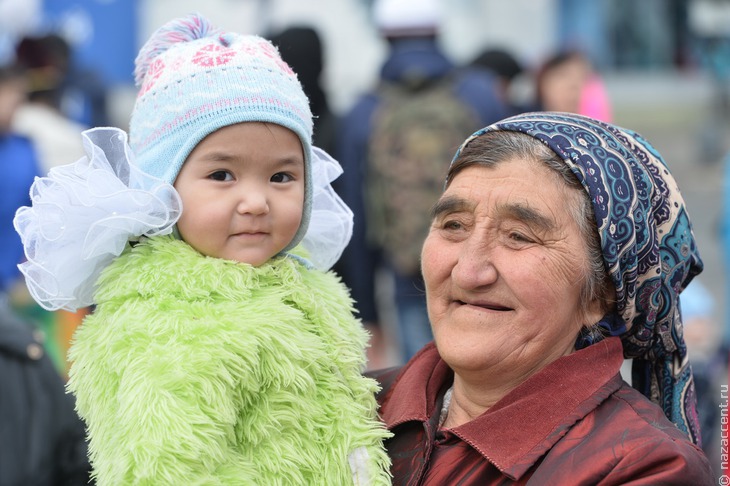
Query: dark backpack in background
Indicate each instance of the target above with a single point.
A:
(416, 130)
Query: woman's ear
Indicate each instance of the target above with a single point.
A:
(593, 313)
(603, 304)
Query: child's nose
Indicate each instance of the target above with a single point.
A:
(252, 202)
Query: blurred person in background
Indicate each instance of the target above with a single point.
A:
(42, 440)
(77, 91)
(301, 48)
(57, 138)
(567, 82)
(56, 135)
(393, 146)
(19, 164)
(507, 69)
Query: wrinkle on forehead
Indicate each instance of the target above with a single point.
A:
(544, 217)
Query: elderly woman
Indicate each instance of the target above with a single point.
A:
(559, 246)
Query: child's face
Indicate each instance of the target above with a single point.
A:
(242, 189)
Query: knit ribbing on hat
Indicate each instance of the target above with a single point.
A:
(195, 79)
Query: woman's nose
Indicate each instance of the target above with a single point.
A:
(474, 267)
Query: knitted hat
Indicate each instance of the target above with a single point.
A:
(195, 79)
(403, 18)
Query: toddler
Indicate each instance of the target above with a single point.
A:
(219, 352)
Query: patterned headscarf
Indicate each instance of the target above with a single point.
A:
(647, 244)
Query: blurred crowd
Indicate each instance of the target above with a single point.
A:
(47, 99)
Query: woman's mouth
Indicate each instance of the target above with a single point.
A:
(485, 305)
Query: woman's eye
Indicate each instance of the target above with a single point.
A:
(280, 177)
(519, 237)
(221, 175)
(452, 225)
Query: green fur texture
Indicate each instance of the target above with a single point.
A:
(197, 370)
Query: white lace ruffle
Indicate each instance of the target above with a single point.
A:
(330, 224)
(84, 214)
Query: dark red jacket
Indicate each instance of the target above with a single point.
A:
(576, 422)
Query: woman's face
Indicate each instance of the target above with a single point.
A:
(503, 264)
(242, 190)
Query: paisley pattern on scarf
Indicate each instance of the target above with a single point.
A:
(647, 242)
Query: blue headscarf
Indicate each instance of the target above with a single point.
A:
(647, 244)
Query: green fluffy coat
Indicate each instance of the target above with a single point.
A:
(198, 370)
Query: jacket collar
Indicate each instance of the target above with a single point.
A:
(529, 420)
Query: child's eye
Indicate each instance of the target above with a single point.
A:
(280, 177)
(221, 175)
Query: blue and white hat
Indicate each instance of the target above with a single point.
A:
(195, 79)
